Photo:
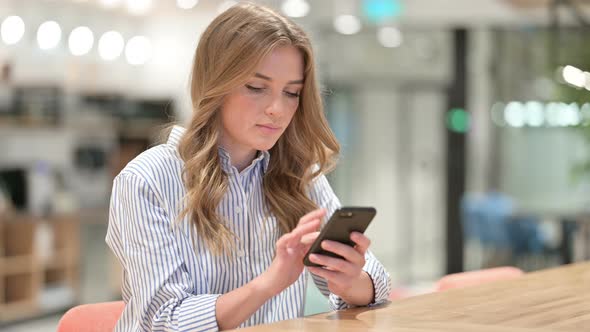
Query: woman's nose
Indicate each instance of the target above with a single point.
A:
(274, 107)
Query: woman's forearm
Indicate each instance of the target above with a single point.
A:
(235, 307)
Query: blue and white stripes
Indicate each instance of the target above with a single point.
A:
(171, 281)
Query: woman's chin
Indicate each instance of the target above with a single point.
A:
(265, 145)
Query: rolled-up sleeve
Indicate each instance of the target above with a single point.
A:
(322, 194)
(159, 290)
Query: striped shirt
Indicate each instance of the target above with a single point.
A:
(171, 281)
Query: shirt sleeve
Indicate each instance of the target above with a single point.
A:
(322, 194)
(161, 291)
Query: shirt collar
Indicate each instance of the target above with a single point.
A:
(263, 156)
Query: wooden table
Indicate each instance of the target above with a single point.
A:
(549, 300)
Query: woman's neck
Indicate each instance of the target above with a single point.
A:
(240, 158)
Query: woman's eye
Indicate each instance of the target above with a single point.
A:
(292, 94)
(254, 89)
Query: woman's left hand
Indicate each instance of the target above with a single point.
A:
(345, 275)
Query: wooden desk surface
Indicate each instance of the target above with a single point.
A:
(550, 300)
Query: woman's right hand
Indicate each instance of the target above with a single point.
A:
(234, 307)
(287, 265)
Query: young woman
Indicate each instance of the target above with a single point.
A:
(212, 226)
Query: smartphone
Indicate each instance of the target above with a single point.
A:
(343, 222)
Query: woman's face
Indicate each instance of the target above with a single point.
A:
(255, 115)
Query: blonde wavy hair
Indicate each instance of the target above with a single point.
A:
(228, 53)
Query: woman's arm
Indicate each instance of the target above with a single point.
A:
(238, 305)
(162, 294)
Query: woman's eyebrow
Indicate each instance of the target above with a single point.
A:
(264, 77)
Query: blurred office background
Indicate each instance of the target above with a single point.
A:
(465, 123)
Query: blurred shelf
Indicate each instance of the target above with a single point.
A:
(61, 259)
(13, 124)
(16, 265)
(17, 310)
(95, 216)
(37, 278)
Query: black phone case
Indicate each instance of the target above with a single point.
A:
(341, 224)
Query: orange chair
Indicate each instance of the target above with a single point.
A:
(459, 280)
(472, 278)
(398, 294)
(97, 317)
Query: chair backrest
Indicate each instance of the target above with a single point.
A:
(472, 278)
(96, 317)
(398, 294)
(485, 218)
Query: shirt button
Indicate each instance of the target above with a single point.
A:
(241, 253)
(238, 210)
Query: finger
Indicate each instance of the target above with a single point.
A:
(299, 231)
(310, 227)
(282, 242)
(362, 242)
(315, 214)
(335, 264)
(287, 239)
(333, 277)
(308, 239)
(347, 252)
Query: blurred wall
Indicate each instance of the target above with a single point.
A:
(388, 105)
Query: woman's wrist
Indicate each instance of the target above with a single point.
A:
(267, 284)
(233, 308)
(362, 294)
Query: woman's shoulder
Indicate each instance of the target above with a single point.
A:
(156, 165)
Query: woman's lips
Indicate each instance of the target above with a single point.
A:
(269, 129)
